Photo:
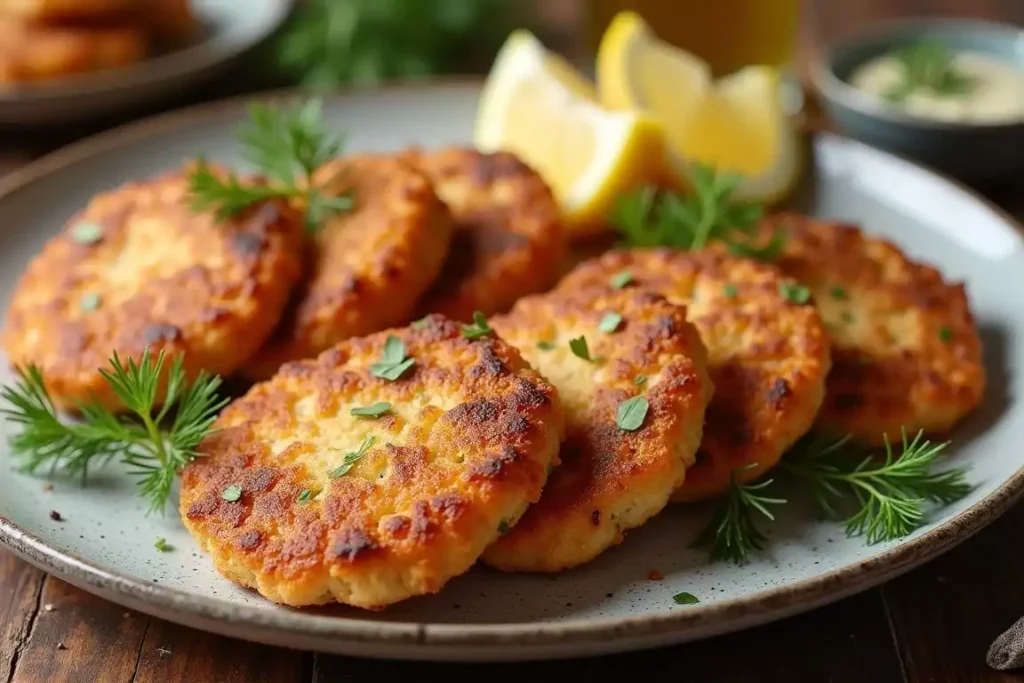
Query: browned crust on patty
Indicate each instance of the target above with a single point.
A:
(467, 446)
(610, 480)
(767, 356)
(157, 276)
(366, 268)
(906, 350)
(508, 241)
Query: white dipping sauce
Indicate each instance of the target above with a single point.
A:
(995, 94)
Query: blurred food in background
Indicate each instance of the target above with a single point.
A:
(365, 42)
(45, 40)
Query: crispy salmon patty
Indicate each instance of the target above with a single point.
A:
(365, 268)
(508, 241)
(768, 354)
(308, 501)
(31, 53)
(905, 348)
(138, 268)
(635, 412)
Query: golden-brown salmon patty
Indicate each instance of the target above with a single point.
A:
(138, 268)
(905, 348)
(768, 354)
(308, 501)
(635, 411)
(508, 242)
(366, 268)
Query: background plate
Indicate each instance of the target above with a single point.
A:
(105, 545)
(230, 28)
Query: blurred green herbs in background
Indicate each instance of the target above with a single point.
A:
(329, 43)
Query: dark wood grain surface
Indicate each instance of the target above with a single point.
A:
(932, 625)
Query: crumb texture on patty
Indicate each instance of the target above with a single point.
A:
(768, 354)
(611, 479)
(508, 241)
(906, 351)
(366, 268)
(138, 268)
(463, 448)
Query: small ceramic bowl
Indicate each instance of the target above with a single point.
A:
(977, 153)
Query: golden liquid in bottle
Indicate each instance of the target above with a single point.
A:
(728, 34)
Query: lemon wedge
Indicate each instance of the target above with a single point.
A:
(736, 123)
(538, 107)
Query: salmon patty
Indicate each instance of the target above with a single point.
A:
(508, 240)
(375, 472)
(138, 268)
(31, 53)
(635, 410)
(905, 348)
(768, 354)
(366, 268)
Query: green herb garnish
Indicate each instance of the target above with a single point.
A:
(927, 66)
(327, 43)
(729, 291)
(87, 233)
(640, 380)
(685, 598)
(304, 497)
(649, 217)
(620, 280)
(945, 334)
(163, 546)
(352, 458)
(631, 413)
(798, 294)
(90, 301)
(101, 435)
(732, 533)
(838, 293)
(887, 496)
(503, 528)
(393, 362)
(545, 345)
(478, 329)
(579, 348)
(373, 410)
(286, 145)
(610, 322)
(231, 493)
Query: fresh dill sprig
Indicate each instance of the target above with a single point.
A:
(154, 445)
(879, 499)
(226, 196)
(887, 496)
(649, 217)
(286, 145)
(927, 66)
(732, 534)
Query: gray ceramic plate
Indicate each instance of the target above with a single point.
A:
(105, 545)
(230, 28)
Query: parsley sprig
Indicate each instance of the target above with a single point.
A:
(286, 145)
(879, 499)
(154, 445)
(927, 66)
(649, 217)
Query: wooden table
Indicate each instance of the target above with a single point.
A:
(932, 625)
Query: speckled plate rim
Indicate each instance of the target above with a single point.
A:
(169, 66)
(330, 633)
(829, 84)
